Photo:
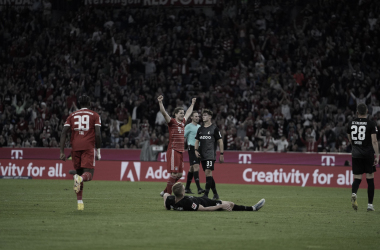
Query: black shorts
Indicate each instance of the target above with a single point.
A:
(193, 159)
(206, 202)
(208, 164)
(363, 165)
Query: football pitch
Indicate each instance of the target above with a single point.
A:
(42, 214)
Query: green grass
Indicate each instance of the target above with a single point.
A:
(41, 214)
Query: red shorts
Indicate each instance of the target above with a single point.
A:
(174, 162)
(83, 158)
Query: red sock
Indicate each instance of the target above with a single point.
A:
(170, 184)
(79, 194)
(87, 176)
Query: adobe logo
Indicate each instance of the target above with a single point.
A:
(133, 172)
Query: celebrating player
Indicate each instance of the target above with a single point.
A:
(208, 135)
(362, 134)
(85, 136)
(190, 133)
(176, 145)
(180, 202)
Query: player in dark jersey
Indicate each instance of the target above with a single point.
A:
(85, 137)
(208, 135)
(176, 146)
(180, 202)
(362, 134)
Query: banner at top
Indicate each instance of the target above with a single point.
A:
(144, 3)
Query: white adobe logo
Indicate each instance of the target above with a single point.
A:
(330, 160)
(124, 167)
(17, 154)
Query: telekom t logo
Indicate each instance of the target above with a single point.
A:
(330, 160)
(130, 176)
(16, 154)
(245, 158)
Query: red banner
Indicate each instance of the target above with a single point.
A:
(257, 174)
(241, 157)
(146, 3)
(53, 154)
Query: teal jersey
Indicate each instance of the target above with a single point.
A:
(190, 133)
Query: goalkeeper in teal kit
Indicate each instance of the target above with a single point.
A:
(190, 133)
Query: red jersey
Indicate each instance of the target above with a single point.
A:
(176, 135)
(82, 123)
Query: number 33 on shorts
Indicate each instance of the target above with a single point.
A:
(208, 165)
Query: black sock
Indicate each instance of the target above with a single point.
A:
(241, 208)
(208, 184)
(189, 179)
(213, 186)
(196, 178)
(355, 185)
(370, 190)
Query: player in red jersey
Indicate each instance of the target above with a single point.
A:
(176, 147)
(85, 137)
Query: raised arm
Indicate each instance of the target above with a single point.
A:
(162, 109)
(353, 96)
(376, 148)
(190, 109)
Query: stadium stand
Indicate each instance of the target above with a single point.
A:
(281, 71)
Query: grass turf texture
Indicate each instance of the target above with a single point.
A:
(41, 214)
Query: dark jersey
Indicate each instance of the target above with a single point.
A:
(208, 138)
(189, 203)
(360, 130)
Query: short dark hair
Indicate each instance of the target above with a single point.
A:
(361, 109)
(84, 100)
(177, 109)
(192, 113)
(207, 111)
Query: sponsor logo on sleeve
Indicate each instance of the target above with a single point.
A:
(194, 206)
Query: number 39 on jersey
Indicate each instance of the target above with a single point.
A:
(81, 123)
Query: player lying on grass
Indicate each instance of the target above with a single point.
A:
(180, 202)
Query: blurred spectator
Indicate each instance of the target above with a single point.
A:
(250, 63)
(282, 144)
(246, 144)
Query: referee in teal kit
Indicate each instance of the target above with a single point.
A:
(190, 133)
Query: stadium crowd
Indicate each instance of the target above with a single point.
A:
(278, 76)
